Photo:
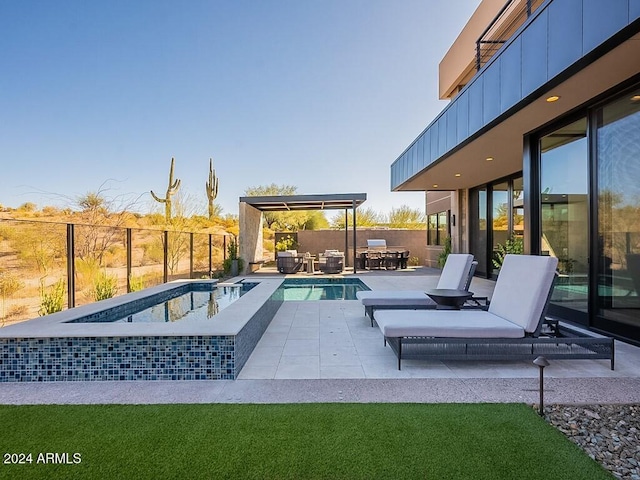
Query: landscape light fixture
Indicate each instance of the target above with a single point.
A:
(541, 362)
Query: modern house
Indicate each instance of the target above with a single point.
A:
(539, 147)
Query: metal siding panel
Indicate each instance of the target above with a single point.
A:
(601, 20)
(442, 133)
(634, 10)
(534, 54)
(510, 76)
(475, 105)
(433, 134)
(426, 148)
(565, 35)
(491, 92)
(452, 124)
(462, 128)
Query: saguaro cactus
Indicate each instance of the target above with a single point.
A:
(212, 188)
(171, 190)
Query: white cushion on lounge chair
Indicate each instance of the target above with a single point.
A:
(456, 271)
(454, 275)
(446, 324)
(522, 289)
(384, 298)
(516, 307)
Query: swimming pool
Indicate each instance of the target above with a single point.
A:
(196, 301)
(58, 347)
(313, 289)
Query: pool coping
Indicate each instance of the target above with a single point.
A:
(228, 322)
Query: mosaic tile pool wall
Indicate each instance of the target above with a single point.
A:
(133, 358)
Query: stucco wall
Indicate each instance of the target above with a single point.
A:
(250, 220)
(316, 241)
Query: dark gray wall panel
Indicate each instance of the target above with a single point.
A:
(534, 54)
(565, 34)
(442, 133)
(462, 129)
(433, 138)
(426, 148)
(634, 10)
(510, 76)
(491, 92)
(601, 20)
(475, 105)
(420, 144)
(452, 125)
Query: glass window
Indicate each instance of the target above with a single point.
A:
(432, 229)
(618, 156)
(565, 211)
(443, 231)
(478, 228)
(500, 220)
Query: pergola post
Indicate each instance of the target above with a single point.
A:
(354, 237)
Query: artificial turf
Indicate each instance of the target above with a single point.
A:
(292, 441)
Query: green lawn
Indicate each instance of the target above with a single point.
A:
(299, 441)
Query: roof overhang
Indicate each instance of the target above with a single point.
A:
(503, 140)
(279, 203)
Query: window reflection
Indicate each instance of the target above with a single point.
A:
(565, 211)
(618, 153)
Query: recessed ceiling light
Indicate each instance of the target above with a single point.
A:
(489, 159)
(553, 98)
(458, 174)
(635, 98)
(435, 185)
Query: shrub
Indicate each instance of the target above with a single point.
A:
(104, 286)
(137, 283)
(442, 258)
(51, 299)
(512, 245)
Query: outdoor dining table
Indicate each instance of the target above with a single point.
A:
(377, 259)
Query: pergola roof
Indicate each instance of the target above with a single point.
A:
(278, 203)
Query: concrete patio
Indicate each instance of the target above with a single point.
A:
(327, 351)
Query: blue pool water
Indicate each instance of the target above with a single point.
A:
(196, 301)
(308, 289)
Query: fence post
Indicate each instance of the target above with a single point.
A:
(71, 267)
(165, 277)
(190, 254)
(210, 263)
(129, 261)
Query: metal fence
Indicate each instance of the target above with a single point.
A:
(48, 266)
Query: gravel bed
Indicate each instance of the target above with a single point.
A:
(610, 434)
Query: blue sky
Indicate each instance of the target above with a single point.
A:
(323, 95)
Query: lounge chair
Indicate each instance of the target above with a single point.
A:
(289, 262)
(456, 274)
(509, 329)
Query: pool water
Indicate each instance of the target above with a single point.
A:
(200, 302)
(312, 289)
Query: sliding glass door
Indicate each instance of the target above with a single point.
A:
(618, 267)
(564, 222)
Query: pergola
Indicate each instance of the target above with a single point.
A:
(251, 208)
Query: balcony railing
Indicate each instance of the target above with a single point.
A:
(510, 17)
(47, 266)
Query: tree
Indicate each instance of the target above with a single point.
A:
(406, 217)
(366, 217)
(272, 219)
